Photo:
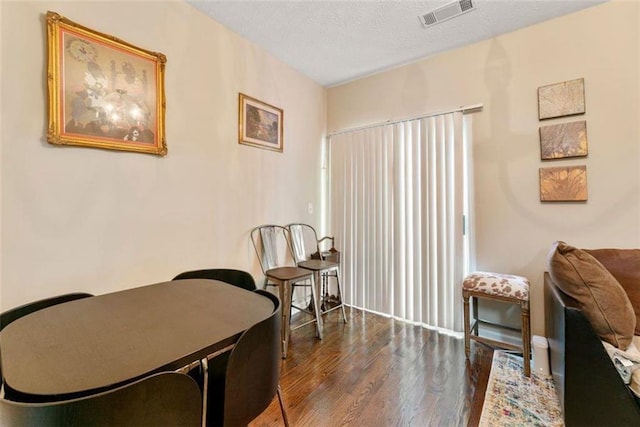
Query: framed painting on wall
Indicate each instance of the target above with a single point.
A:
(103, 92)
(260, 124)
(561, 99)
(563, 184)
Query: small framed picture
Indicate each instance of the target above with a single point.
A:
(103, 92)
(260, 124)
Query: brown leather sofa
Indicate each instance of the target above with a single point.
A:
(590, 389)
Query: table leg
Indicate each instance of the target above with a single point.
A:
(204, 364)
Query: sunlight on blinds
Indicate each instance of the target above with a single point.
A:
(398, 197)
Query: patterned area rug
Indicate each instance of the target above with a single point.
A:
(515, 400)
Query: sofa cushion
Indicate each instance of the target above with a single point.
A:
(601, 298)
(624, 265)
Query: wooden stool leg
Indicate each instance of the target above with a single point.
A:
(474, 308)
(465, 298)
(526, 338)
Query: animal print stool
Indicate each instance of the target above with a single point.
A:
(500, 287)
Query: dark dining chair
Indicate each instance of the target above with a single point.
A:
(14, 314)
(213, 370)
(225, 375)
(239, 278)
(250, 378)
(163, 399)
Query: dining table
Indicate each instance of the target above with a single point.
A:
(101, 342)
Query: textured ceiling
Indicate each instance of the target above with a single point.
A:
(333, 42)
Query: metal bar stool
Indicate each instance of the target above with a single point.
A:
(498, 287)
(306, 252)
(271, 243)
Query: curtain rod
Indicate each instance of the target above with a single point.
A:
(465, 110)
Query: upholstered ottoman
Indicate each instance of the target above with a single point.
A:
(500, 287)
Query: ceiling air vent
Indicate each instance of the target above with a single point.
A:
(448, 11)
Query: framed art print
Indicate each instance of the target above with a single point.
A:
(103, 92)
(260, 124)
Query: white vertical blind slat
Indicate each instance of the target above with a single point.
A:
(389, 253)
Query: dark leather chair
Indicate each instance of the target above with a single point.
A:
(250, 379)
(15, 313)
(242, 383)
(163, 399)
(213, 370)
(238, 278)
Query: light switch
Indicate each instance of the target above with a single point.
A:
(310, 208)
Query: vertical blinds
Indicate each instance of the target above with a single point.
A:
(397, 195)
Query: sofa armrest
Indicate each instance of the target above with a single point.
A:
(590, 389)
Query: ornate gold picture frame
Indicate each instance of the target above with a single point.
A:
(103, 92)
(260, 124)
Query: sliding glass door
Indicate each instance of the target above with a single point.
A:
(398, 207)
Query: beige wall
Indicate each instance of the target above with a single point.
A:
(514, 231)
(86, 219)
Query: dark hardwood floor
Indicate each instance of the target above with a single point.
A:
(376, 371)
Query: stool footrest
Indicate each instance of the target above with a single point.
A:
(301, 324)
(494, 343)
(477, 322)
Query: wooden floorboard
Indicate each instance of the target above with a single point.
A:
(375, 371)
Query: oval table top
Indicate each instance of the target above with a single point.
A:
(100, 342)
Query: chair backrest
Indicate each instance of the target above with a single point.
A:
(239, 278)
(304, 241)
(167, 398)
(15, 313)
(272, 246)
(253, 369)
